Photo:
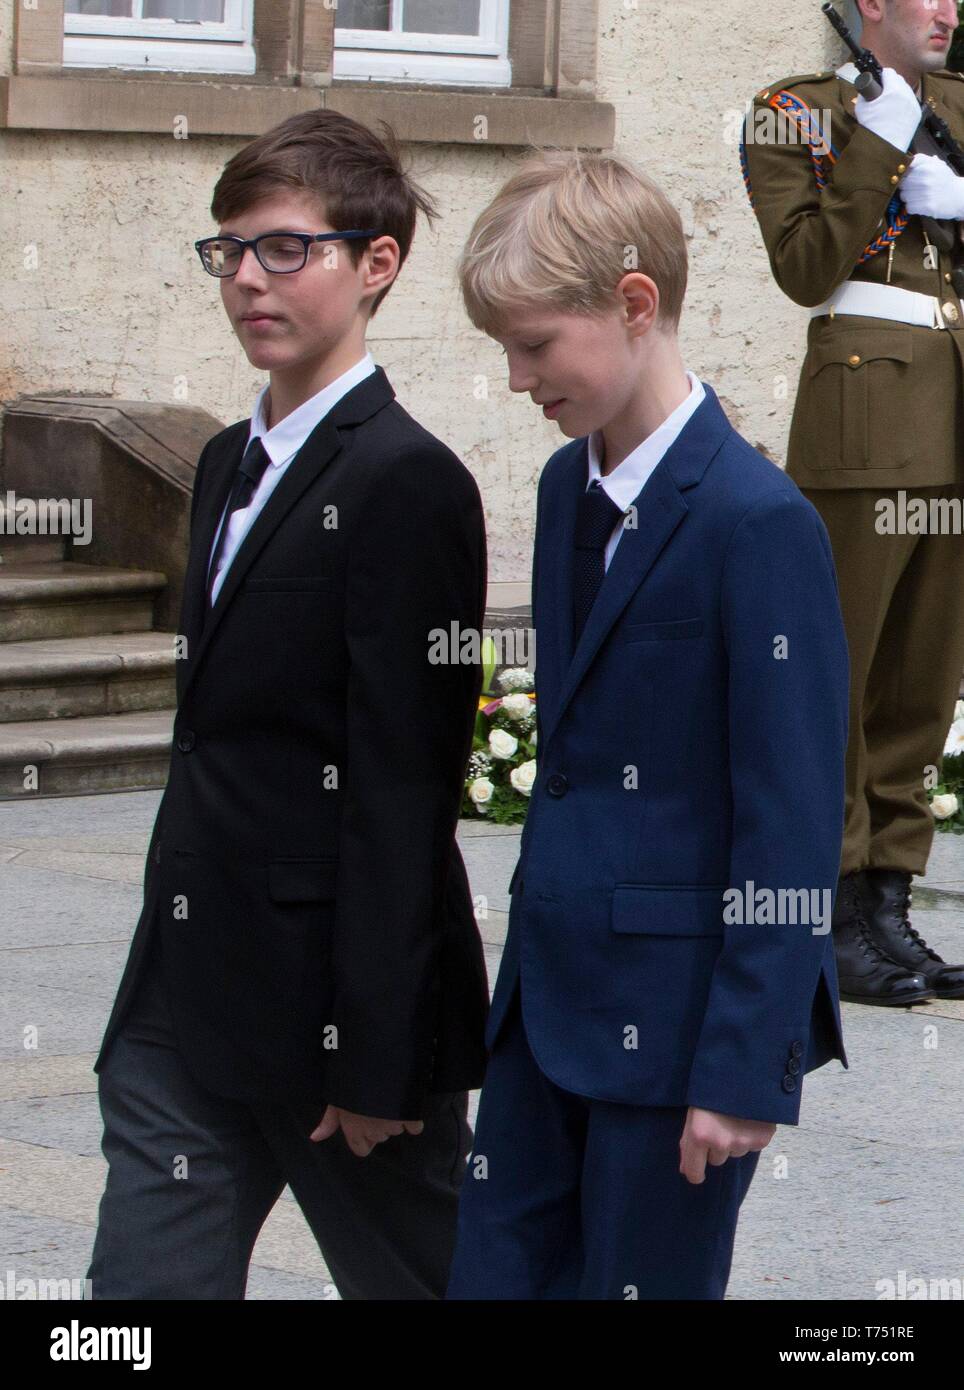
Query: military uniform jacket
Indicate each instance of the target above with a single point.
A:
(879, 402)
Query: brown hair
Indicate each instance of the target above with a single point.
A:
(356, 176)
(563, 231)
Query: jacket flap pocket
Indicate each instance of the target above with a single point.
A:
(302, 880)
(668, 909)
(655, 632)
(853, 347)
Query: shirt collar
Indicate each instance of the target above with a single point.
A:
(626, 480)
(289, 434)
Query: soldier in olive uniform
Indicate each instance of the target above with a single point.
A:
(845, 211)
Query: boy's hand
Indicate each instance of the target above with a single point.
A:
(712, 1138)
(362, 1132)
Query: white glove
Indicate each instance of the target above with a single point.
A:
(895, 114)
(930, 187)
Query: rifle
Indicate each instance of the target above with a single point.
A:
(933, 135)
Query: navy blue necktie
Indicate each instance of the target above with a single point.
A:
(596, 520)
(250, 472)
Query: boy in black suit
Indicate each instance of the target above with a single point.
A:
(305, 997)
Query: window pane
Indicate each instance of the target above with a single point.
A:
(210, 11)
(441, 16)
(363, 14)
(117, 9)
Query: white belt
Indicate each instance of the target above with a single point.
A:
(884, 302)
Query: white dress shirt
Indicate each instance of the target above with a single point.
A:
(281, 444)
(623, 484)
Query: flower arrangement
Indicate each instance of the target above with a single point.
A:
(502, 766)
(947, 798)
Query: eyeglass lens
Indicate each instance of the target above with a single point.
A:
(278, 253)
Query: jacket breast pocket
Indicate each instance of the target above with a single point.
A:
(671, 630)
(853, 407)
(658, 909)
(286, 585)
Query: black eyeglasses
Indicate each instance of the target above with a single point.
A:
(281, 253)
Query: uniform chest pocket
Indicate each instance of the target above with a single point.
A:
(853, 407)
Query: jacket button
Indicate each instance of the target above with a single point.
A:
(185, 741)
(796, 1049)
(793, 1066)
(558, 784)
(789, 1083)
(854, 359)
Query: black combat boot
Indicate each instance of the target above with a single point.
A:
(866, 974)
(887, 897)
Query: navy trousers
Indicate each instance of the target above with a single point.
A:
(567, 1197)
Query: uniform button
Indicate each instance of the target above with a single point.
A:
(558, 784)
(902, 168)
(185, 741)
(950, 312)
(854, 359)
(793, 1066)
(894, 178)
(789, 1084)
(796, 1049)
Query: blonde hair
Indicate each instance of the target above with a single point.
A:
(562, 233)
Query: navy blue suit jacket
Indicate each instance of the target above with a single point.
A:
(693, 742)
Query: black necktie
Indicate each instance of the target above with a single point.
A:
(596, 519)
(246, 480)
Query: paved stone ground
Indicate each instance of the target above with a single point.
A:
(873, 1179)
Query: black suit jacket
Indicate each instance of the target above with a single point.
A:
(303, 882)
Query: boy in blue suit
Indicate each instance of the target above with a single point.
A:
(669, 974)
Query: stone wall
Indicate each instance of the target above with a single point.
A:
(113, 299)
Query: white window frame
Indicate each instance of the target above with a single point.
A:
(114, 41)
(459, 59)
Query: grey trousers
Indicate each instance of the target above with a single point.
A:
(192, 1177)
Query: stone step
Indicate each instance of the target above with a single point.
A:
(67, 757)
(49, 543)
(71, 677)
(63, 599)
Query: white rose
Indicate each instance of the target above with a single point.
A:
(517, 678)
(959, 711)
(480, 793)
(955, 739)
(532, 738)
(944, 806)
(502, 744)
(516, 706)
(523, 776)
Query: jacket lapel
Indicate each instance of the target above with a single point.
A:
(660, 508)
(311, 460)
(220, 467)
